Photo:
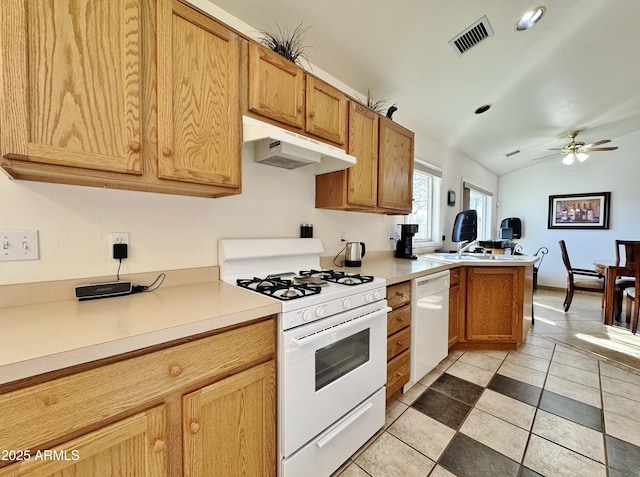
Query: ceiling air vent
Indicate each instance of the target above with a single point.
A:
(471, 36)
(512, 153)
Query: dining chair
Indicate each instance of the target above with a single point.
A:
(633, 300)
(627, 271)
(592, 281)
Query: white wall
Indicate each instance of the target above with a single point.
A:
(525, 194)
(171, 232)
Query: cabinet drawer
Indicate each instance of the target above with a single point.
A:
(397, 373)
(48, 411)
(398, 319)
(398, 342)
(399, 294)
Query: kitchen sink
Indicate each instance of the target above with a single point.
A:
(452, 257)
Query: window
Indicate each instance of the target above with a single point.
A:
(480, 200)
(426, 204)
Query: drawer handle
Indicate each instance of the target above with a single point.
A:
(175, 371)
(134, 146)
(400, 343)
(166, 152)
(194, 427)
(159, 446)
(398, 374)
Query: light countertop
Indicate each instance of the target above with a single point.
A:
(396, 270)
(42, 337)
(39, 336)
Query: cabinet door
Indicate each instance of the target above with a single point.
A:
(395, 167)
(70, 83)
(326, 111)
(276, 87)
(199, 110)
(494, 303)
(132, 447)
(229, 426)
(362, 182)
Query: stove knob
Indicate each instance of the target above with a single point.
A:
(306, 315)
(377, 295)
(368, 298)
(320, 312)
(346, 304)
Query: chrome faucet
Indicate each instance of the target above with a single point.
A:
(464, 246)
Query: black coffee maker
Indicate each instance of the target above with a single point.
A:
(404, 240)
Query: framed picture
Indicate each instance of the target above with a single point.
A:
(579, 211)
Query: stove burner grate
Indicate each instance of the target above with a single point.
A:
(278, 288)
(336, 276)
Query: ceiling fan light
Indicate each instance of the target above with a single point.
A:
(569, 159)
(530, 18)
(582, 156)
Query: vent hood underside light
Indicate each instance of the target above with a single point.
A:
(281, 148)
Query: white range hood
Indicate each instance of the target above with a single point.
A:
(281, 148)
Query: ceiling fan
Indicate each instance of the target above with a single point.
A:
(577, 150)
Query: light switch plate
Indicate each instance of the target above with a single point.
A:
(19, 245)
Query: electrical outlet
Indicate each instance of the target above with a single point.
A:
(341, 237)
(19, 245)
(119, 237)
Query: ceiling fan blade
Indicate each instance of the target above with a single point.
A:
(548, 156)
(555, 149)
(595, 149)
(597, 143)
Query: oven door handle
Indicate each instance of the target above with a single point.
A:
(312, 338)
(343, 425)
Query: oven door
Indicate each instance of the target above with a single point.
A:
(328, 368)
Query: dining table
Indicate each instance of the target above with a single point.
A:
(608, 268)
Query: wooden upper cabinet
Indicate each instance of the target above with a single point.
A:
(326, 111)
(395, 167)
(199, 98)
(276, 87)
(362, 178)
(71, 83)
(381, 181)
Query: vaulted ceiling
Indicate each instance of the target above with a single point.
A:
(577, 69)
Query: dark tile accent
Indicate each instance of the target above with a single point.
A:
(442, 408)
(526, 472)
(515, 389)
(466, 457)
(572, 410)
(458, 388)
(623, 457)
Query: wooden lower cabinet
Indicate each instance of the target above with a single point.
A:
(135, 446)
(398, 337)
(223, 425)
(198, 407)
(489, 307)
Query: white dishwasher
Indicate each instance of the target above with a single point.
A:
(429, 324)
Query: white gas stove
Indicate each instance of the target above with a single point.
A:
(289, 270)
(331, 349)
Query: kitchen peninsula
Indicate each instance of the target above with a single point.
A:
(490, 301)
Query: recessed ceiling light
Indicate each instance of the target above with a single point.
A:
(530, 18)
(483, 109)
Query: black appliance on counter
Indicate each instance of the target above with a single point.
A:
(511, 228)
(404, 240)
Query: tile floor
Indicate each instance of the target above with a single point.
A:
(566, 403)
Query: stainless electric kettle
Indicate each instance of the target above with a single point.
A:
(353, 253)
